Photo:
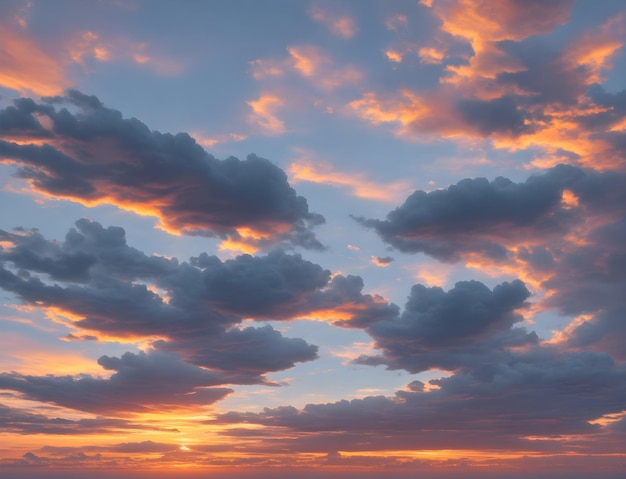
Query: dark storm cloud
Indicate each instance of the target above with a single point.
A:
(96, 156)
(481, 216)
(448, 330)
(493, 406)
(141, 382)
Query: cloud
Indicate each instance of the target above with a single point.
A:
(382, 261)
(264, 114)
(491, 407)
(20, 421)
(483, 26)
(244, 355)
(322, 72)
(340, 25)
(27, 68)
(97, 157)
(586, 283)
(357, 183)
(141, 382)
(486, 217)
(110, 285)
(450, 330)
(103, 289)
(513, 87)
(90, 46)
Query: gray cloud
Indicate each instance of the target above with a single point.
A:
(481, 216)
(467, 325)
(97, 156)
(500, 115)
(141, 382)
(494, 406)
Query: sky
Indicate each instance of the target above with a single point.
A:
(348, 239)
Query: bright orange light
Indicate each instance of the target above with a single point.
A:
(324, 173)
(569, 199)
(264, 114)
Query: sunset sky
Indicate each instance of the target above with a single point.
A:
(283, 238)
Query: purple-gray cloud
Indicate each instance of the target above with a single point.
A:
(96, 156)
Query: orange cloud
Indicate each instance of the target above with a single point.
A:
(223, 138)
(90, 45)
(312, 63)
(356, 183)
(431, 55)
(264, 114)
(266, 68)
(342, 26)
(396, 22)
(595, 50)
(394, 56)
(482, 24)
(26, 67)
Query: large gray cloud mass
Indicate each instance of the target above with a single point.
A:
(96, 156)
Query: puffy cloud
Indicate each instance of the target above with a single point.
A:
(358, 184)
(264, 114)
(587, 283)
(141, 382)
(107, 290)
(97, 157)
(110, 284)
(481, 216)
(244, 355)
(494, 406)
(484, 26)
(450, 330)
(382, 261)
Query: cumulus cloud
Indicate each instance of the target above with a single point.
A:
(484, 217)
(493, 406)
(141, 382)
(104, 289)
(450, 330)
(96, 156)
(109, 284)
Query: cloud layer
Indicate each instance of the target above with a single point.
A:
(95, 156)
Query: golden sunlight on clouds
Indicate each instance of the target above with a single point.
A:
(394, 56)
(596, 49)
(431, 55)
(91, 46)
(25, 67)
(358, 185)
(27, 355)
(264, 111)
(342, 26)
